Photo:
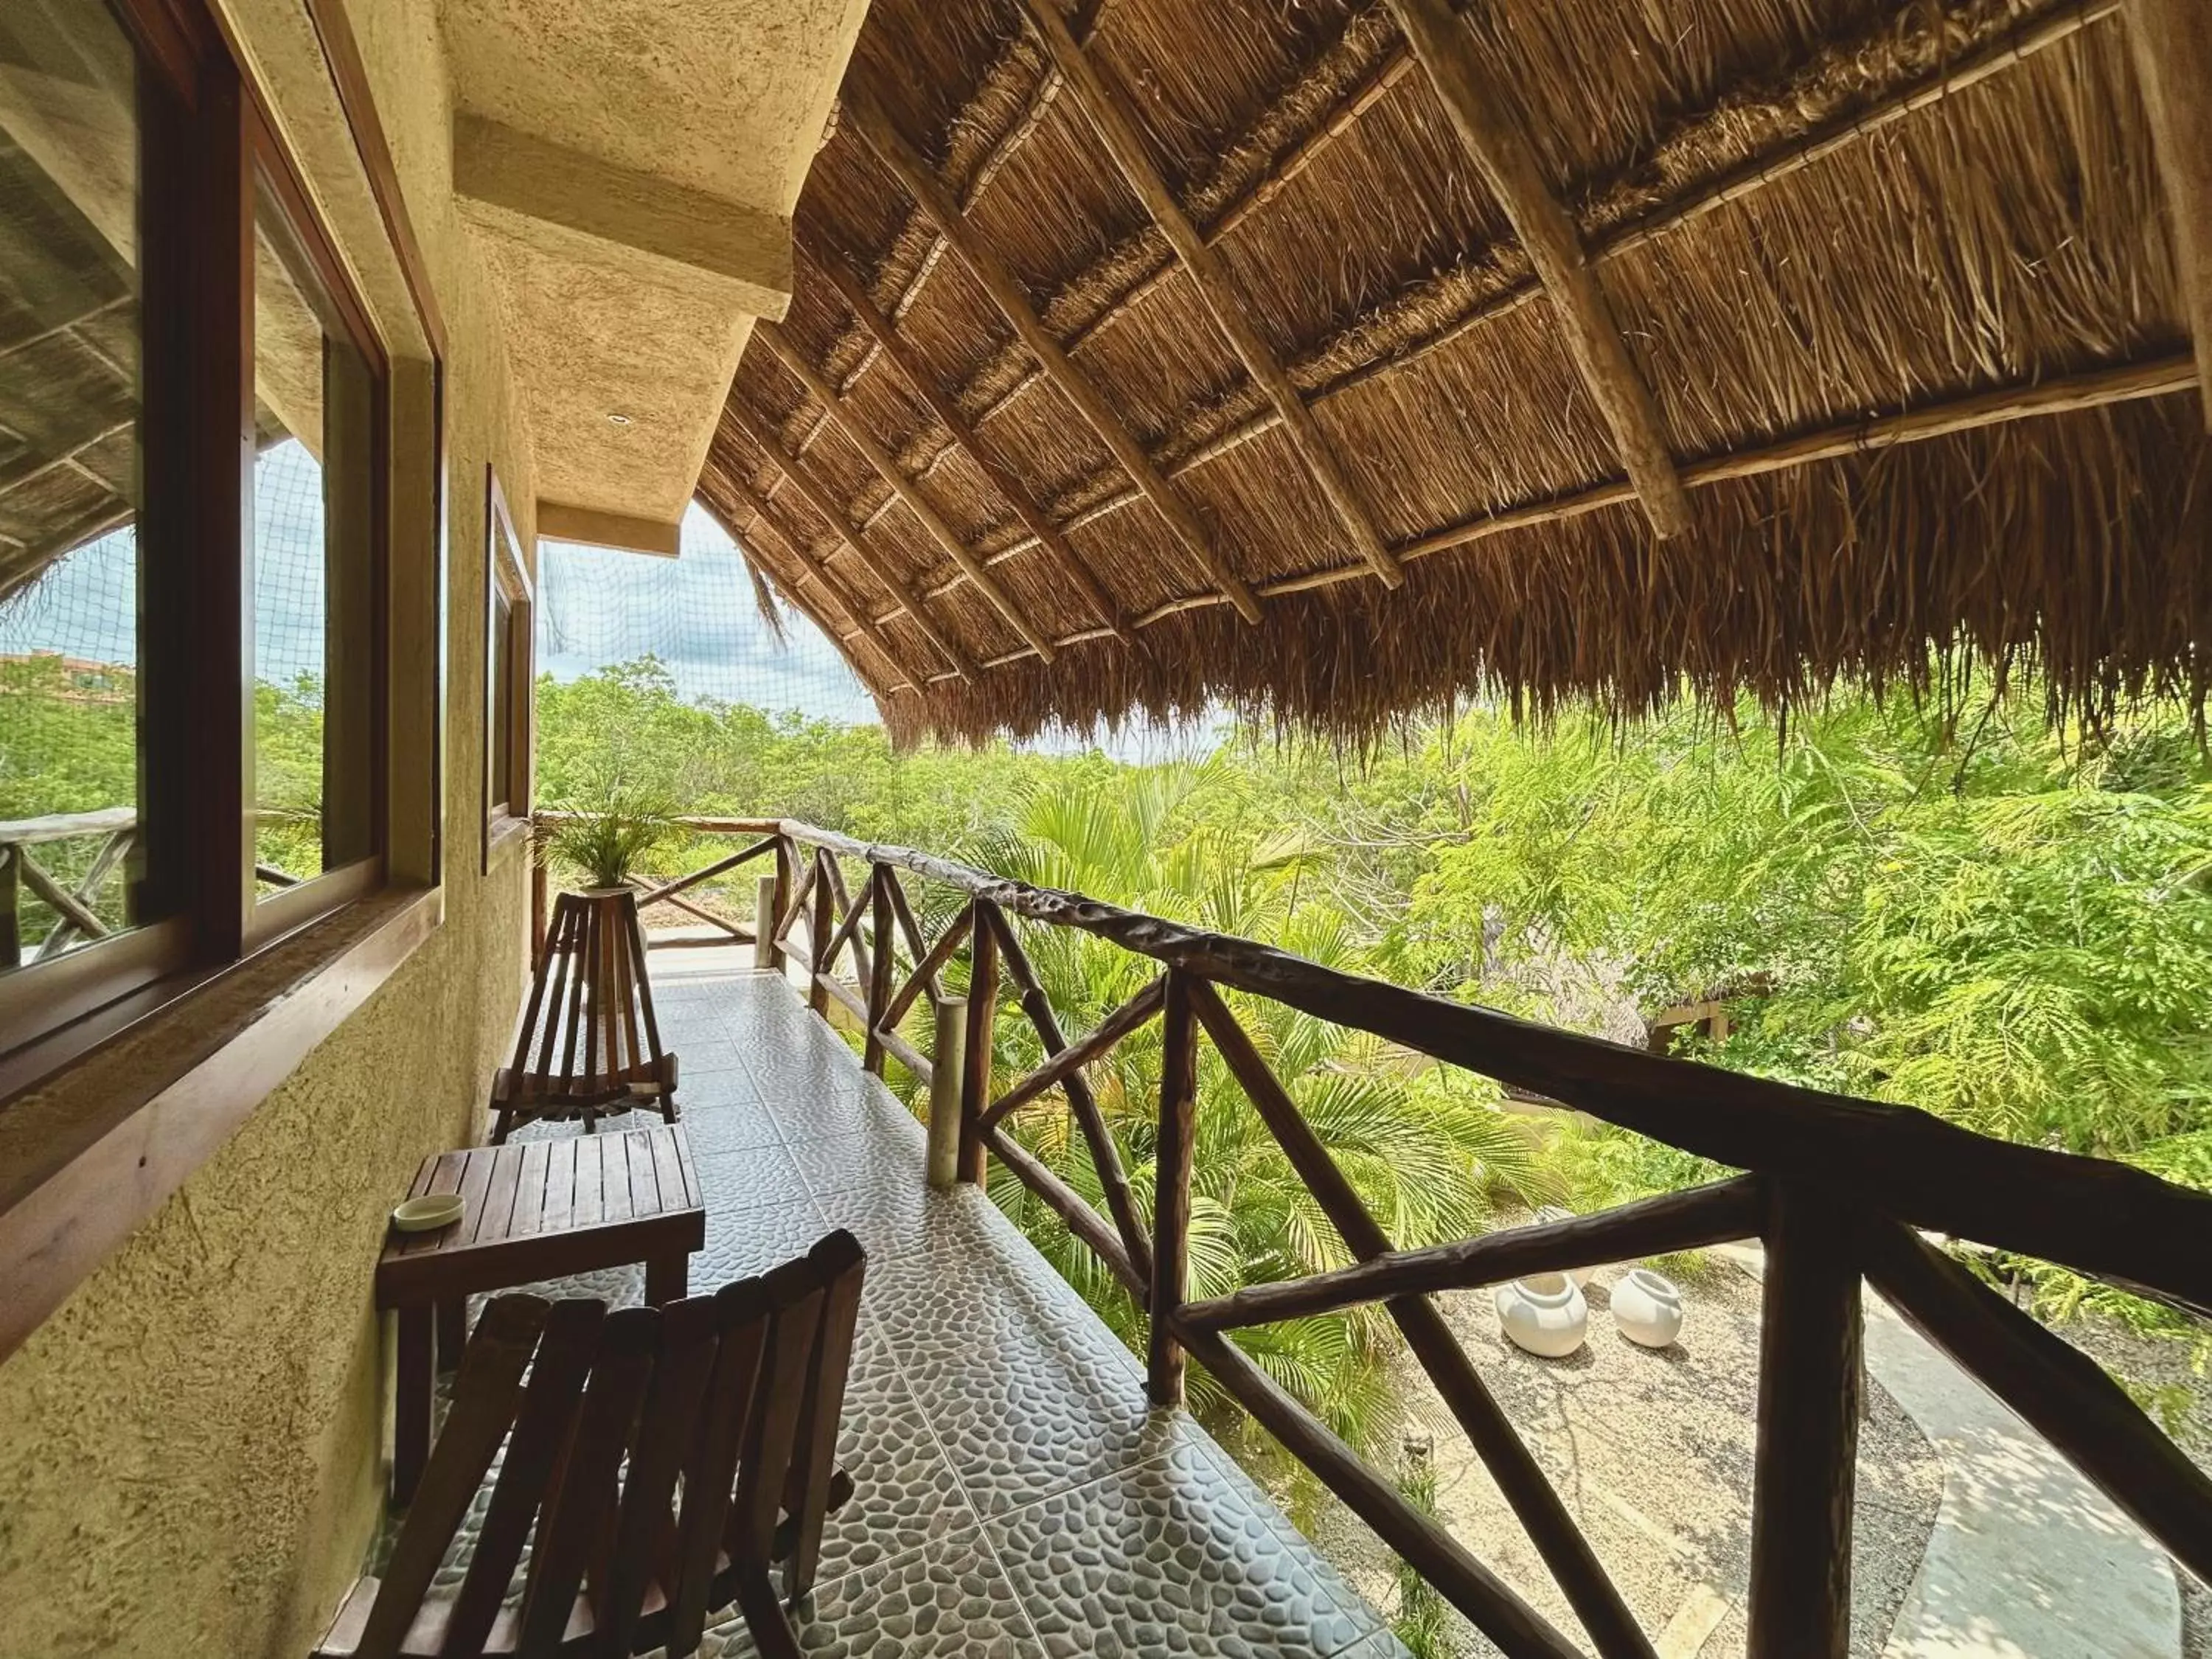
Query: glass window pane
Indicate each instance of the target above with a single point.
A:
(316, 408)
(502, 692)
(70, 853)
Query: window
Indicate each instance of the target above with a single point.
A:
(194, 431)
(318, 410)
(508, 671)
(73, 828)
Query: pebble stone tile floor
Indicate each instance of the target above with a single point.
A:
(1014, 1496)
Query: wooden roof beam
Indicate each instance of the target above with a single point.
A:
(2171, 41)
(818, 498)
(907, 165)
(750, 498)
(1446, 51)
(903, 357)
(888, 469)
(1110, 114)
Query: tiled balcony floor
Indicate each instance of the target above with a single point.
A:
(1014, 1495)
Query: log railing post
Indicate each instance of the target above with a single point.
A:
(784, 847)
(818, 935)
(11, 937)
(948, 1077)
(983, 1010)
(537, 902)
(766, 909)
(1809, 1376)
(879, 965)
(1163, 1366)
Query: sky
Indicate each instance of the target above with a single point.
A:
(596, 608)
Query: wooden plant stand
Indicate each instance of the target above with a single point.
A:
(589, 1043)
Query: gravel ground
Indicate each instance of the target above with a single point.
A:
(1652, 1452)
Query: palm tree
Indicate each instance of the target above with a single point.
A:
(1425, 1148)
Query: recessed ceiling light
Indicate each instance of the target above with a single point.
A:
(618, 420)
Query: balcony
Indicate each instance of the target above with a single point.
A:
(1025, 1484)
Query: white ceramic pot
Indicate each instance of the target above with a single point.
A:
(1544, 1314)
(1647, 1309)
(1546, 1217)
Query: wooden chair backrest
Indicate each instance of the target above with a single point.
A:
(739, 1394)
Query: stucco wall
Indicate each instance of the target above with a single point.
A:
(189, 1449)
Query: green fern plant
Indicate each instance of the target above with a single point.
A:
(607, 838)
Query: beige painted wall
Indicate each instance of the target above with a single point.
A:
(189, 1449)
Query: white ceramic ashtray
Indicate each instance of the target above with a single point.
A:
(427, 1213)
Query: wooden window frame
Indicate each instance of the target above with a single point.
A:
(205, 141)
(506, 579)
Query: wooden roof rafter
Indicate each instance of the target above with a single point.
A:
(2062, 22)
(905, 163)
(818, 498)
(817, 385)
(1554, 245)
(1109, 114)
(1042, 530)
(1387, 65)
(813, 573)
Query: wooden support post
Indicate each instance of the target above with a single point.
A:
(537, 902)
(982, 1012)
(11, 937)
(1163, 1366)
(818, 935)
(906, 164)
(764, 951)
(948, 1078)
(1440, 39)
(785, 852)
(2171, 41)
(1809, 1380)
(880, 965)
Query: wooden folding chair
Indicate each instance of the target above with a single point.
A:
(734, 1398)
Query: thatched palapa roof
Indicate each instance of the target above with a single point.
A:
(1339, 358)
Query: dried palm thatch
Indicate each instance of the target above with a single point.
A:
(1888, 287)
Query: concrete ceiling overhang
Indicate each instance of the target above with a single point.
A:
(629, 168)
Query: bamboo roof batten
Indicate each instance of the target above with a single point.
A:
(905, 163)
(1106, 111)
(2160, 377)
(818, 498)
(810, 571)
(1043, 531)
(2060, 23)
(916, 503)
(1446, 53)
(2171, 41)
(1889, 284)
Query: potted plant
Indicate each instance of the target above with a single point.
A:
(606, 840)
(589, 1043)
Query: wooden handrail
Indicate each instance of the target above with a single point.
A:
(1834, 1186)
(2096, 1216)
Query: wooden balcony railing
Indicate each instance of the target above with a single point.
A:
(1838, 1188)
(76, 918)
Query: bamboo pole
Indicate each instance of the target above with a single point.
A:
(907, 165)
(1446, 51)
(2171, 44)
(907, 491)
(1109, 115)
(757, 429)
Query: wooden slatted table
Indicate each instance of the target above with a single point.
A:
(533, 1210)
